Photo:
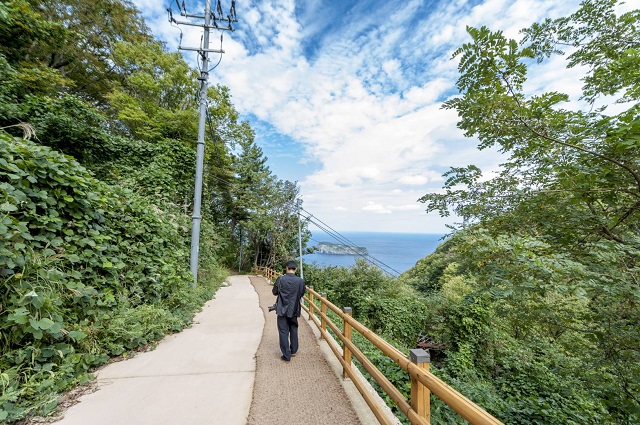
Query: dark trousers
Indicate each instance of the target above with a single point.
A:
(288, 332)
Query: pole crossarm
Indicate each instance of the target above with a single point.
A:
(199, 49)
(209, 27)
(190, 15)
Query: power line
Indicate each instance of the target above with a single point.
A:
(223, 181)
(352, 246)
(367, 257)
(213, 136)
(344, 240)
(337, 236)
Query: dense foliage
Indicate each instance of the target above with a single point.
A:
(88, 271)
(94, 210)
(391, 309)
(537, 300)
(532, 305)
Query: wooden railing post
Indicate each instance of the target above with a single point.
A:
(311, 302)
(420, 394)
(323, 309)
(423, 382)
(346, 353)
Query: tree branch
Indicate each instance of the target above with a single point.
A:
(614, 161)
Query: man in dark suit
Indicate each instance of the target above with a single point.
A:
(290, 289)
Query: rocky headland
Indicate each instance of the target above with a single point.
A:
(340, 249)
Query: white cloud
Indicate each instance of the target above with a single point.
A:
(364, 99)
(376, 208)
(420, 179)
(410, 207)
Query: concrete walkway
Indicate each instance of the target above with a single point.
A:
(203, 375)
(226, 370)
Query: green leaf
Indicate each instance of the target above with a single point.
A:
(19, 316)
(45, 323)
(76, 335)
(8, 207)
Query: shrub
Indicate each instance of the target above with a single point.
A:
(88, 270)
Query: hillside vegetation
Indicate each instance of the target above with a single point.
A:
(89, 271)
(532, 307)
(98, 124)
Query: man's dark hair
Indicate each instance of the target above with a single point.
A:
(291, 265)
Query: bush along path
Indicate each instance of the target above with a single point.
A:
(87, 271)
(202, 375)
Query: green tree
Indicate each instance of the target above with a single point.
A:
(225, 133)
(93, 28)
(260, 208)
(156, 95)
(565, 158)
(22, 75)
(554, 252)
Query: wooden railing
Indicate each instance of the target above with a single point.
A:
(270, 274)
(423, 382)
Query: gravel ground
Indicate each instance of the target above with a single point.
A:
(302, 391)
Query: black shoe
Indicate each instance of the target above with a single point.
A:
(284, 358)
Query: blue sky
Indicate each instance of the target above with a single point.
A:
(345, 96)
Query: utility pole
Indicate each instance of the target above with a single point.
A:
(240, 262)
(300, 238)
(210, 21)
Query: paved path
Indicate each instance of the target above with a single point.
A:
(207, 374)
(203, 375)
(303, 391)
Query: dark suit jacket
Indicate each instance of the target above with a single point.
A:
(289, 288)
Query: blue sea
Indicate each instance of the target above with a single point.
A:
(393, 252)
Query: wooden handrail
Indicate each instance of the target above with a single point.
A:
(416, 411)
(270, 274)
(419, 374)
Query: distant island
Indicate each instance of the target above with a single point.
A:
(339, 249)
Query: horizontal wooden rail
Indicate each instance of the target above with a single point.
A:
(417, 411)
(368, 397)
(270, 274)
(459, 403)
